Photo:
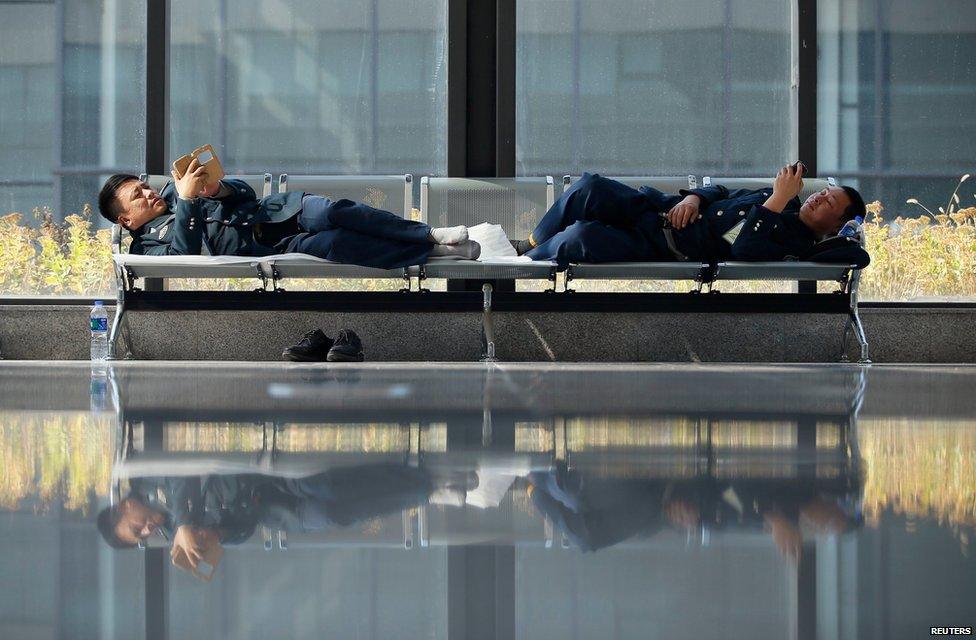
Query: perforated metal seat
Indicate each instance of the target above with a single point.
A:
(636, 271)
(810, 185)
(486, 270)
(517, 204)
(771, 271)
(661, 183)
(391, 192)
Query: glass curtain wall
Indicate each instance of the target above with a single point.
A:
(653, 88)
(895, 111)
(311, 87)
(72, 83)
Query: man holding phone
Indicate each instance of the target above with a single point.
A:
(601, 220)
(195, 215)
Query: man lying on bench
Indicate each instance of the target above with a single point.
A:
(601, 220)
(191, 217)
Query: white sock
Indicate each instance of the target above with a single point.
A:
(449, 235)
(469, 249)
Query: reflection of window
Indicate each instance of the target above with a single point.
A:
(640, 58)
(634, 88)
(337, 87)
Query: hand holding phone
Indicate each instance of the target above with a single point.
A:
(202, 157)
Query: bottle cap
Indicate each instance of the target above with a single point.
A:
(98, 303)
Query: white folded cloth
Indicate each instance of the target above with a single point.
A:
(495, 246)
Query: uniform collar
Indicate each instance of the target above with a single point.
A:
(153, 224)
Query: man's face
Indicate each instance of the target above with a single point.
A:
(138, 204)
(137, 521)
(823, 210)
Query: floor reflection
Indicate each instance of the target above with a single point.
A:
(487, 502)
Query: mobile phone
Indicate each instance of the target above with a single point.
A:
(206, 156)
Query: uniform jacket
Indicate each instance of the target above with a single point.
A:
(735, 226)
(212, 226)
(225, 503)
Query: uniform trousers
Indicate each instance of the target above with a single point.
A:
(355, 233)
(602, 220)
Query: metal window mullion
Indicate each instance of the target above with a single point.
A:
(505, 72)
(806, 99)
(157, 97)
(457, 78)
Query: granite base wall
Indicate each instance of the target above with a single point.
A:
(55, 332)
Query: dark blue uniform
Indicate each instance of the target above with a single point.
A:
(601, 220)
(234, 505)
(242, 225)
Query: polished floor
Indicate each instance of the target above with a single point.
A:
(486, 501)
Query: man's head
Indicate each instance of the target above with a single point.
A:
(826, 211)
(129, 523)
(129, 201)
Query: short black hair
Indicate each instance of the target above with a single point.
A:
(856, 207)
(107, 205)
(108, 518)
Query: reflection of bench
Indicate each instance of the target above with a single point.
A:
(516, 204)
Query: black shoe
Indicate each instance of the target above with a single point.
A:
(347, 348)
(313, 347)
(521, 246)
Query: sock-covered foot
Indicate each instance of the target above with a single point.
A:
(449, 235)
(469, 250)
(522, 246)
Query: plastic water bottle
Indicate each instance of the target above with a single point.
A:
(99, 333)
(99, 387)
(852, 228)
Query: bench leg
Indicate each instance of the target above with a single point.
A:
(862, 339)
(487, 327)
(113, 336)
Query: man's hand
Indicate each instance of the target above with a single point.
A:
(685, 212)
(211, 190)
(191, 541)
(192, 183)
(786, 186)
(789, 181)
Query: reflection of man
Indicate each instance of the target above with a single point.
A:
(601, 220)
(191, 217)
(189, 510)
(595, 513)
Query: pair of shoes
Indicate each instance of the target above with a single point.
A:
(315, 346)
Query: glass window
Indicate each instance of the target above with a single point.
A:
(73, 92)
(895, 119)
(653, 88)
(334, 87)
